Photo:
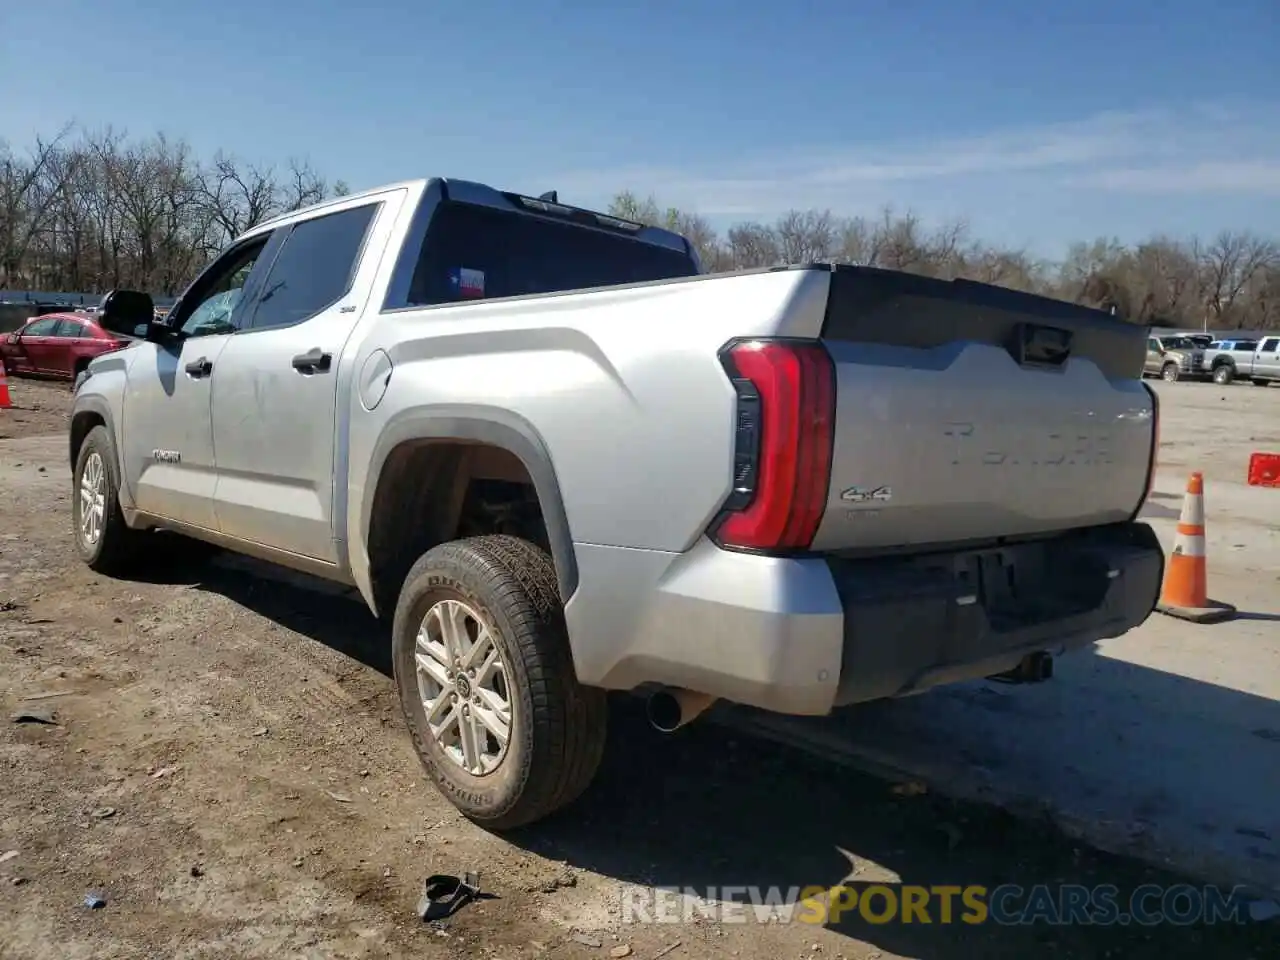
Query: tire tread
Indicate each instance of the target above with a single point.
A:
(568, 721)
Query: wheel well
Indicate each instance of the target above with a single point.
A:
(81, 363)
(1223, 362)
(81, 424)
(433, 491)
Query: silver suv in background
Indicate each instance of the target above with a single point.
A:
(557, 460)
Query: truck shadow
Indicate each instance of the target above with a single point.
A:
(712, 807)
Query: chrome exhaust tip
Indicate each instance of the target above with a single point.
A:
(669, 710)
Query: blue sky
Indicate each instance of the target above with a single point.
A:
(1039, 124)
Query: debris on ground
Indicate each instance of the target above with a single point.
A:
(621, 950)
(260, 732)
(35, 715)
(340, 797)
(95, 901)
(444, 895)
(48, 695)
(586, 940)
(103, 813)
(667, 949)
(8, 855)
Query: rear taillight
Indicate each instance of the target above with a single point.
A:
(782, 454)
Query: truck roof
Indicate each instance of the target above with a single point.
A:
(471, 191)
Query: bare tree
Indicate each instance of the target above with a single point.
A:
(1231, 264)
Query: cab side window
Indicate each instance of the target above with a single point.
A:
(314, 269)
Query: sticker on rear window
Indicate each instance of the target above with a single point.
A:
(466, 282)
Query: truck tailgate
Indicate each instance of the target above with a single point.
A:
(967, 412)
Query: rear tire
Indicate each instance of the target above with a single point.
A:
(500, 595)
(103, 539)
(1169, 372)
(1223, 375)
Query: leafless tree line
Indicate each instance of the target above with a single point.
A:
(1231, 282)
(88, 211)
(91, 211)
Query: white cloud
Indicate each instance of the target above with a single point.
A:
(1207, 148)
(1261, 177)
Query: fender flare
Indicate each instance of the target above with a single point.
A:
(495, 427)
(91, 404)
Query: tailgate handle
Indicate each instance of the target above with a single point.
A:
(1040, 345)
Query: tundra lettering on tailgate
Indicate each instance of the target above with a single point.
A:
(1033, 448)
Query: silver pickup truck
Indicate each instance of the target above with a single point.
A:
(558, 460)
(1257, 360)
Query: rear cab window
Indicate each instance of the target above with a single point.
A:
(473, 251)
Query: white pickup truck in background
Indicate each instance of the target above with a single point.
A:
(1257, 360)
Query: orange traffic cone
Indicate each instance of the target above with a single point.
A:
(1186, 580)
(5, 402)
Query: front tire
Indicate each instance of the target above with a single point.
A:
(487, 685)
(1169, 372)
(103, 539)
(1223, 375)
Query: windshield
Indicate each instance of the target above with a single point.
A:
(1179, 343)
(473, 251)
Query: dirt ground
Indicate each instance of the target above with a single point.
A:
(227, 768)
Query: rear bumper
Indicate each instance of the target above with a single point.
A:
(920, 622)
(803, 636)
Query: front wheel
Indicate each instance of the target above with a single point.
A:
(1169, 372)
(105, 542)
(1223, 374)
(487, 685)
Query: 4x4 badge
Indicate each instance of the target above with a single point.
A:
(862, 495)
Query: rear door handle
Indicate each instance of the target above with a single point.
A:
(199, 368)
(313, 361)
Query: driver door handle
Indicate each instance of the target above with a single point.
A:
(199, 368)
(313, 361)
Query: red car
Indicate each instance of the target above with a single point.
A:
(56, 345)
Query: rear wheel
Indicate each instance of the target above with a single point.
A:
(487, 685)
(1169, 372)
(1223, 374)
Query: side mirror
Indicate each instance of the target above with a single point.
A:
(124, 311)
